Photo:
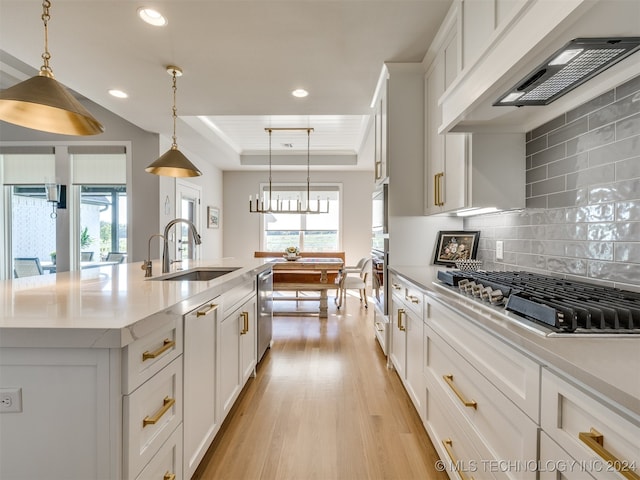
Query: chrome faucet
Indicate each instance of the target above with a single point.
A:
(165, 251)
(147, 266)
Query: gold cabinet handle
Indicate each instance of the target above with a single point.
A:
(379, 326)
(467, 403)
(437, 189)
(166, 345)
(167, 403)
(595, 441)
(169, 476)
(401, 327)
(448, 445)
(396, 286)
(245, 323)
(206, 310)
(412, 298)
(378, 170)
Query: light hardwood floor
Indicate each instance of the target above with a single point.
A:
(322, 406)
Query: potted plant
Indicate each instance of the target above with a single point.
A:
(53, 257)
(292, 252)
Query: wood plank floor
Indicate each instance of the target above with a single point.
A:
(323, 405)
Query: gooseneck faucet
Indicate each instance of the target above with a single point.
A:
(147, 266)
(165, 251)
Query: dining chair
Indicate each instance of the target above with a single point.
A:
(86, 256)
(116, 257)
(354, 279)
(26, 267)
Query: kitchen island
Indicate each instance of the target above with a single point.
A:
(95, 363)
(498, 396)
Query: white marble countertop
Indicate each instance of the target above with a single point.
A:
(610, 365)
(98, 307)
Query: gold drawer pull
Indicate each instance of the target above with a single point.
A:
(396, 286)
(401, 327)
(379, 326)
(169, 476)
(412, 298)
(595, 441)
(245, 321)
(465, 402)
(166, 345)
(207, 310)
(448, 445)
(167, 403)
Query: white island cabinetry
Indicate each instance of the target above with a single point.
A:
(118, 379)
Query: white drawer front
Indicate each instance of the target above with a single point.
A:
(567, 411)
(556, 464)
(412, 297)
(514, 374)
(148, 355)
(504, 428)
(455, 441)
(167, 462)
(236, 295)
(158, 400)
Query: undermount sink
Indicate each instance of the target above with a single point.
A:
(198, 275)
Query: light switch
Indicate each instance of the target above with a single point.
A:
(499, 250)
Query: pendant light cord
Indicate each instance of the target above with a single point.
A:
(174, 144)
(45, 69)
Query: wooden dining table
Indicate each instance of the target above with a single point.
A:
(296, 277)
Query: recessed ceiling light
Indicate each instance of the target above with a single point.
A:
(300, 93)
(118, 93)
(152, 17)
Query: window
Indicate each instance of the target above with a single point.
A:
(103, 221)
(311, 232)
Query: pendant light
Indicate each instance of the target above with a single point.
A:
(44, 104)
(284, 206)
(173, 163)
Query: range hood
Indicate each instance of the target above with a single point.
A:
(575, 63)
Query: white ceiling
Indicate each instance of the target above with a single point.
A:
(241, 60)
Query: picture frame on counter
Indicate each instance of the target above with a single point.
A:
(213, 217)
(453, 246)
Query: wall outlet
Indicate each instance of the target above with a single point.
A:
(10, 400)
(499, 250)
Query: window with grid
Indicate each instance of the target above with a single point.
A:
(309, 232)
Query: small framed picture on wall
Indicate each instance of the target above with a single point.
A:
(454, 246)
(213, 217)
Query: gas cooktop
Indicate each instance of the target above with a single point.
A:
(561, 306)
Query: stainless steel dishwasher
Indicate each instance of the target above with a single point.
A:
(265, 311)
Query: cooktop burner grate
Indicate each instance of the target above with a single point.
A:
(563, 305)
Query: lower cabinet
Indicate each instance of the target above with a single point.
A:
(200, 420)
(556, 464)
(236, 353)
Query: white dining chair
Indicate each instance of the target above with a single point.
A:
(353, 278)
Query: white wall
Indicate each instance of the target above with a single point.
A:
(241, 229)
(412, 240)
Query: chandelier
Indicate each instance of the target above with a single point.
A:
(269, 205)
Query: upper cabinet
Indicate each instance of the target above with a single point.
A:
(463, 171)
(399, 150)
(502, 41)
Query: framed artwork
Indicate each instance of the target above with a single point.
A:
(213, 217)
(454, 246)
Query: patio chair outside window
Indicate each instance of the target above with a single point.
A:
(86, 256)
(26, 267)
(116, 257)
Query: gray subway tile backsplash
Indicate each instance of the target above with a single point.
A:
(582, 215)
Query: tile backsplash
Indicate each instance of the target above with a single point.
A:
(582, 215)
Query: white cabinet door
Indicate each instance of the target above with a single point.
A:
(381, 165)
(228, 362)
(248, 339)
(200, 422)
(398, 352)
(434, 148)
(414, 379)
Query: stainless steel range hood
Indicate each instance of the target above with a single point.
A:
(575, 63)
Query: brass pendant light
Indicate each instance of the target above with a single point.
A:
(44, 104)
(173, 163)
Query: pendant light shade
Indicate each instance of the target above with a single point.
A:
(173, 163)
(44, 104)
